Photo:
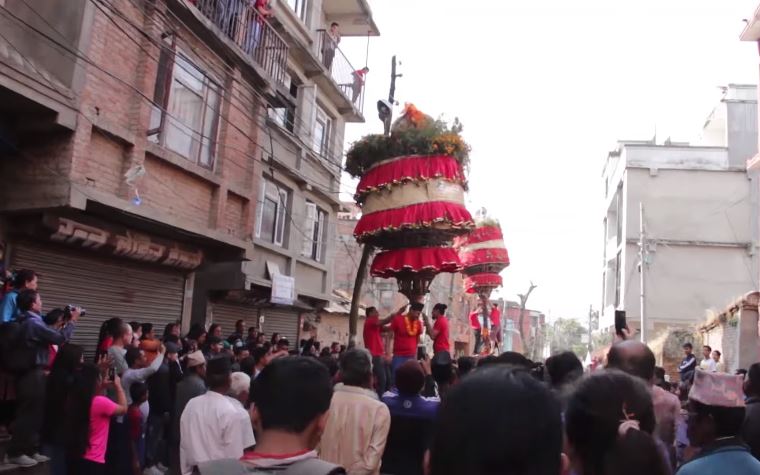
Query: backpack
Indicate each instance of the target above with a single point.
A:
(312, 466)
(16, 355)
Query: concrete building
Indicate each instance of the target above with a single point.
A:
(175, 160)
(701, 231)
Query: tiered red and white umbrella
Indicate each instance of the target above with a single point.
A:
(412, 209)
(483, 255)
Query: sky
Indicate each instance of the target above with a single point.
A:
(545, 88)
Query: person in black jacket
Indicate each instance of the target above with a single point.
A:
(161, 395)
(751, 429)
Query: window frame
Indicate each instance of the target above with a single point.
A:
(269, 190)
(300, 8)
(162, 118)
(314, 232)
(322, 148)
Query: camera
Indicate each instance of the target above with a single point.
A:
(70, 308)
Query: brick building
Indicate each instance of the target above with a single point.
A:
(534, 324)
(175, 159)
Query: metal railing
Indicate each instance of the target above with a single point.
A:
(350, 80)
(247, 28)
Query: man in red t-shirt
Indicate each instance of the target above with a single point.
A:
(407, 329)
(373, 341)
(439, 331)
(496, 324)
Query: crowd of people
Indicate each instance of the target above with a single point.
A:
(205, 403)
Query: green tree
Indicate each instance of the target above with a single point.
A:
(567, 334)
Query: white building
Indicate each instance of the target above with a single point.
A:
(700, 227)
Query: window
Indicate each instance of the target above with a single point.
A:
(322, 131)
(386, 298)
(185, 118)
(272, 213)
(285, 117)
(300, 7)
(314, 232)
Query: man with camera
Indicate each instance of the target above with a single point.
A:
(35, 338)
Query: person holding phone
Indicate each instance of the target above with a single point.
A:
(439, 331)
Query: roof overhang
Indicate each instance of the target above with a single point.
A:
(752, 29)
(354, 16)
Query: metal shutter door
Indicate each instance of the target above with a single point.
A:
(284, 322)
(105, 287)
(226, 314)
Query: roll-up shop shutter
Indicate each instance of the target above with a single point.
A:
(227, 313)
(282, 321)
(105, 287)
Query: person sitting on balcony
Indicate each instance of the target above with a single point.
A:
(329, 44)
(358, 84)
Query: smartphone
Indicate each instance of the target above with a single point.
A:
(620, 322)
(421, 353)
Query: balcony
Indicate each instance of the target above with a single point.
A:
(350, 80)
(240, 23)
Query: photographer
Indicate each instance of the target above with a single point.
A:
(36, 338)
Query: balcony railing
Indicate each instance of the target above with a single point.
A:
(350, 80)
(248, 29)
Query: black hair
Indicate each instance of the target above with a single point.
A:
(335, 23)
(659, 373)
(330, 363)
(132, 355)
(637, 361)
(688, 345)
(196, 330)
(22, 277)
(283, 342)
(213, 328)
(410, 378)
(727, 421)
(563, 368)
(54, 316)
(251, 330)
(719, 353)
(741, 371)
(240, 321)
(487, 361)
(356, 367)
(752, 383)
(275, 337)
(524, 435)
(417, 307)
(441, 308)
(709, 348)
(172, 339)
(26, 299)
(168, 329)
(217, 380)
(77, 414)
(248, 365)
(325, 352)
(465, 364)
(59, 381)
(213, 340)
(594, 413)
(515, 359)
(137, 392)
(136, 326)
(258, 353)
(291, 392)
(369, 310)
(147, 327)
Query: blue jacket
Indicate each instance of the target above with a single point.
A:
(40, 336)
(9, 308)
(726, 457)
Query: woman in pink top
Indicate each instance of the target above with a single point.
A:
(88, 418)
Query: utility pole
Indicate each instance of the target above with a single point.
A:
(642, 270)
(385, 113)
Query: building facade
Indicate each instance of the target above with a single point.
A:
(174, 160)
(700, 234)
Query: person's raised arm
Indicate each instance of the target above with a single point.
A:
(121, 398)
(387, 320)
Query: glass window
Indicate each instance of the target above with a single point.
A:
(192, 102)
(314, 232)
(272, 213)
(300, 7)
(321, 136)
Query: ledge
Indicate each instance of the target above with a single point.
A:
(181, 162)
(122, 134)
(312, 263)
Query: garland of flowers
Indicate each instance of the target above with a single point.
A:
(412, 331)
(426, 137)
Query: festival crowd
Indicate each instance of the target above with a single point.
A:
(209, 404)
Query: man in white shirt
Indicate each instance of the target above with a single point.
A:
(212, 426)
(707, 363)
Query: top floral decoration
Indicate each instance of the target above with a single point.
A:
(414, 133)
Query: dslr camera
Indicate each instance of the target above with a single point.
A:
(70, 308)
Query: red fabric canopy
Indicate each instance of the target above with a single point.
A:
(411, 168)
(431, 260)
(485, 256)
(479, 282)
(422, 215)
(483, 234)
